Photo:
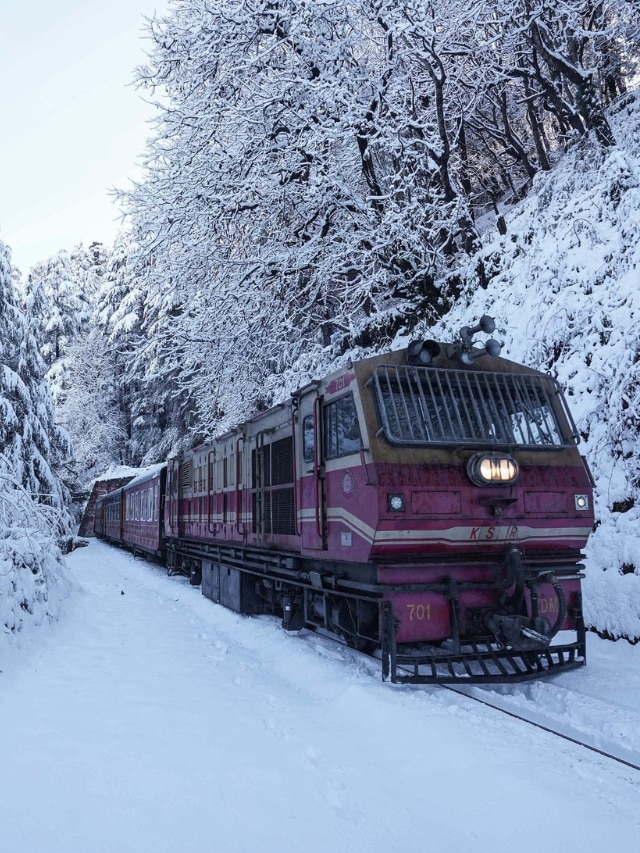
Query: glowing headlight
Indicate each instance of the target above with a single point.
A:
(395, 503)
(494, 470)
(581, 502)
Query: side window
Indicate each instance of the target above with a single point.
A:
(341, 428)
(307, 438)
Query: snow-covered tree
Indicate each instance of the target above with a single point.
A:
(59, 295)
(274, 213)
(33, 516)
(317, 166)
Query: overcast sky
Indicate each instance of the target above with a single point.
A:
(73, 126)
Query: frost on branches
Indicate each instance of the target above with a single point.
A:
(33, 518)
(317, 170)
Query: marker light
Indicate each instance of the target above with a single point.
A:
(581, 502)
(395, 503)
(494, 470)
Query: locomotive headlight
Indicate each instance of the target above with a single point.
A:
(493, 470)
(581, 502)
(395, 503)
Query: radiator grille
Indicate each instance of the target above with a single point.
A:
(422, 405)
(276, 463)
(277, 512)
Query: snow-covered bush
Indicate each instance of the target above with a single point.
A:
(32, 572)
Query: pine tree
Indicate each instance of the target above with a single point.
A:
(33, 517)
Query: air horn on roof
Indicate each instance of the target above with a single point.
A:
(467, 352)
(423, 353)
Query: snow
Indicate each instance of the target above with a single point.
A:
(149, 719)
(597, 704)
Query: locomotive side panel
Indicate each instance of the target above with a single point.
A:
(350, 490)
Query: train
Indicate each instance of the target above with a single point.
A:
(428, 506)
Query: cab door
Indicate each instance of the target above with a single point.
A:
(312, 505)
(172, 499)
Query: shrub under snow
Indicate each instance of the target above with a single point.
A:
(32, 573)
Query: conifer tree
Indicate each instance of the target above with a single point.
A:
(33, 516)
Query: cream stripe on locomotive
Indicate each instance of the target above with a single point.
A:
(452, 535)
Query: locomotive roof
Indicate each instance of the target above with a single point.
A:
(448, 358)
(364, 368)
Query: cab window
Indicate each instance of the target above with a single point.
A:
(307, 438)
(341, 428)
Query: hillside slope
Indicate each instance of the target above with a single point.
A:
(564, 288)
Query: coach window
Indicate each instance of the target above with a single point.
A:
(341, 428)
(308, 437)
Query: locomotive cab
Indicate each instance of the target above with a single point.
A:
(453, 475)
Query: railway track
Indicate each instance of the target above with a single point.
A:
(567, 730)
(611, 730)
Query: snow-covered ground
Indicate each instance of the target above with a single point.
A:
(150, 720)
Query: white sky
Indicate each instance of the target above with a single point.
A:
(73, 125)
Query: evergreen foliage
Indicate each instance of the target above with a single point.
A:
(34, 521)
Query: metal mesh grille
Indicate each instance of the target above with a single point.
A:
(273, 508)
(277, 462)
(282, 511)
(277, 512)
(422, 405)
(281, 462)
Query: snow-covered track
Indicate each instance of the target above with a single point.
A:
(568, 705)
(606, 729)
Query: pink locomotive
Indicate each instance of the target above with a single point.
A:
(429, 506)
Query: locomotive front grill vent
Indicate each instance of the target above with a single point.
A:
(436, 405)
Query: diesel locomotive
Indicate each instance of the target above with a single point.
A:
(428, 506)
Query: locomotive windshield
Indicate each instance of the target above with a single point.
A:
(424, 405)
